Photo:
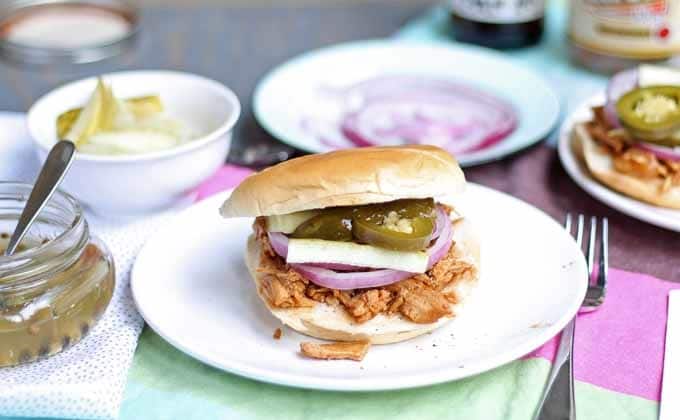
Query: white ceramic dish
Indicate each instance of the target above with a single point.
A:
(659, 216)
(192, 287)
(138, 183)
(298, 89)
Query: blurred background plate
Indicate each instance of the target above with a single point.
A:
(289, 94)
(659, 216)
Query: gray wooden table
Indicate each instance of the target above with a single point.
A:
(237, 44)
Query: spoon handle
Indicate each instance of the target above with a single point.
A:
(56, 165)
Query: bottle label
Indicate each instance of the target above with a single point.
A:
(642, 29)
(499, 11)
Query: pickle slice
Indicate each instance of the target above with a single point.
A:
(86, 122)
(144, 106)
(140, 107)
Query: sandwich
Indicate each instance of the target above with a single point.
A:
(355, 246)
(632, 142)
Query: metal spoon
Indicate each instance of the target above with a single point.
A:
(56, 165)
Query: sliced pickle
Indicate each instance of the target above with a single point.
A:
(141, 107)
(87, 122)
(66, 120)
(331, 225)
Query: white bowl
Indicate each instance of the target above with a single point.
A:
(145, 182)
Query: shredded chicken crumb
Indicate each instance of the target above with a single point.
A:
(336, 351)
(631, 160)
(277, 334)
(420, 298)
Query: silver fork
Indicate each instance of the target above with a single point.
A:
(557, 402)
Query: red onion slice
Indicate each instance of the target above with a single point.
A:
(338, 267)
(349, 280)
(347, 277)
(443, 243)
(279, 243)
(619, 84)
(667, 153)
(404, 109)
(438, 224)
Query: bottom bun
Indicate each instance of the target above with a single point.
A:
(601, 165)
(332, 323)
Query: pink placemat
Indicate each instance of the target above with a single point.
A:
(227, 177)
(621, 345)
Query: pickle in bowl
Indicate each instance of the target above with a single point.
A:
(108, 125)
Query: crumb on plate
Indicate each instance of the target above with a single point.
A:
(336, 351)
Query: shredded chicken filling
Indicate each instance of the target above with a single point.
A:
(421, 298)
(631, 160)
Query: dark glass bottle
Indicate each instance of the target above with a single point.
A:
(498, 23)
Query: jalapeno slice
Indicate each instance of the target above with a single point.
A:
(331, 225)
(404, 225)
(651, 113)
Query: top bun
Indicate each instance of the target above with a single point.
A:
(346, 178)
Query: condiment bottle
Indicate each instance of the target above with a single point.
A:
(498, 23)
(612, 35)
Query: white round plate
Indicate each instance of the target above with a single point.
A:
(294, 91)
(659, 216)
(191, 285)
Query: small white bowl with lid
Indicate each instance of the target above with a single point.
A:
(137, 183)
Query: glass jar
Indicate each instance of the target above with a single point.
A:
(612, 35)
(56, 286)
(66, 31)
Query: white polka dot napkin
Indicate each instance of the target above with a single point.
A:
(87, 380)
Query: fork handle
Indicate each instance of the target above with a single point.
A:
(557, 402)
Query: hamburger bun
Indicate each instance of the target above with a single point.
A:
(346, 178)
(600, 165)
(332, 323)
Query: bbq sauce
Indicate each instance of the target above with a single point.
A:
(498, 23)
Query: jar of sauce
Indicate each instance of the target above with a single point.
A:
(498, 23)
(57, 285)
(612, 35)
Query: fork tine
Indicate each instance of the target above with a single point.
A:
(567, 223)
(604, 255)
(579, 230)
(592, 238)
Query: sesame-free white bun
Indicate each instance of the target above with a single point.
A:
(347, 178)
(332, 323)
(601, 166)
